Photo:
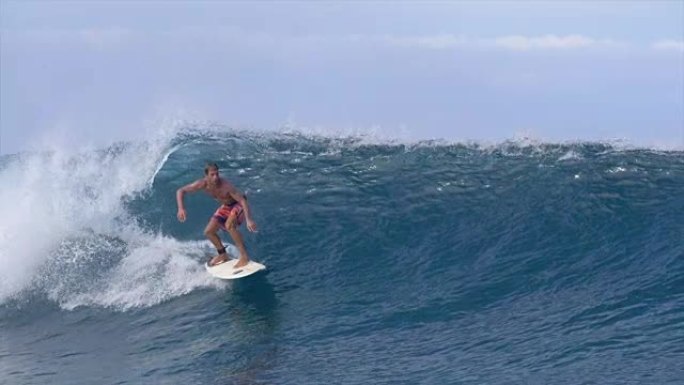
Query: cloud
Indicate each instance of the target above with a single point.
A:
(668, 45)
(523, 43)
(222, 36)
(443, 41)
(99, 38)
(511, 42)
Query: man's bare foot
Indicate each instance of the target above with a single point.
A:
(219, 259)
(241, 262)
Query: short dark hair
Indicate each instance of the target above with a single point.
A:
(210, 166)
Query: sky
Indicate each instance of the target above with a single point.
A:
(93, 72)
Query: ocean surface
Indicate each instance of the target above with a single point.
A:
(388, 263)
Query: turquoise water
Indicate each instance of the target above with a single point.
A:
(388, 263)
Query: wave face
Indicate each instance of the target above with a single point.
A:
(388, 263)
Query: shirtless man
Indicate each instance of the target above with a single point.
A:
(233, 210)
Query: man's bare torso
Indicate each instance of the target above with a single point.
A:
(222, 191)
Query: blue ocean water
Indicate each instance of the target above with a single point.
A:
(388, 263)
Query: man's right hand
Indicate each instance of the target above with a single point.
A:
(181, 215)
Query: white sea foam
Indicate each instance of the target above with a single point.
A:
(153, 269)
(570, 155)
(63, 211)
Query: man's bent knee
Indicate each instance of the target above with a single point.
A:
(210, 230)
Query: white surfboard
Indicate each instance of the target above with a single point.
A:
(226, 270)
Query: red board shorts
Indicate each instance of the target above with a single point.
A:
(225, 211)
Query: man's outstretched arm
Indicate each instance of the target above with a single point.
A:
(192, 187)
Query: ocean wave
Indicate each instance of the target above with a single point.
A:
(98, 228)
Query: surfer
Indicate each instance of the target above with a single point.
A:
(229, 216)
